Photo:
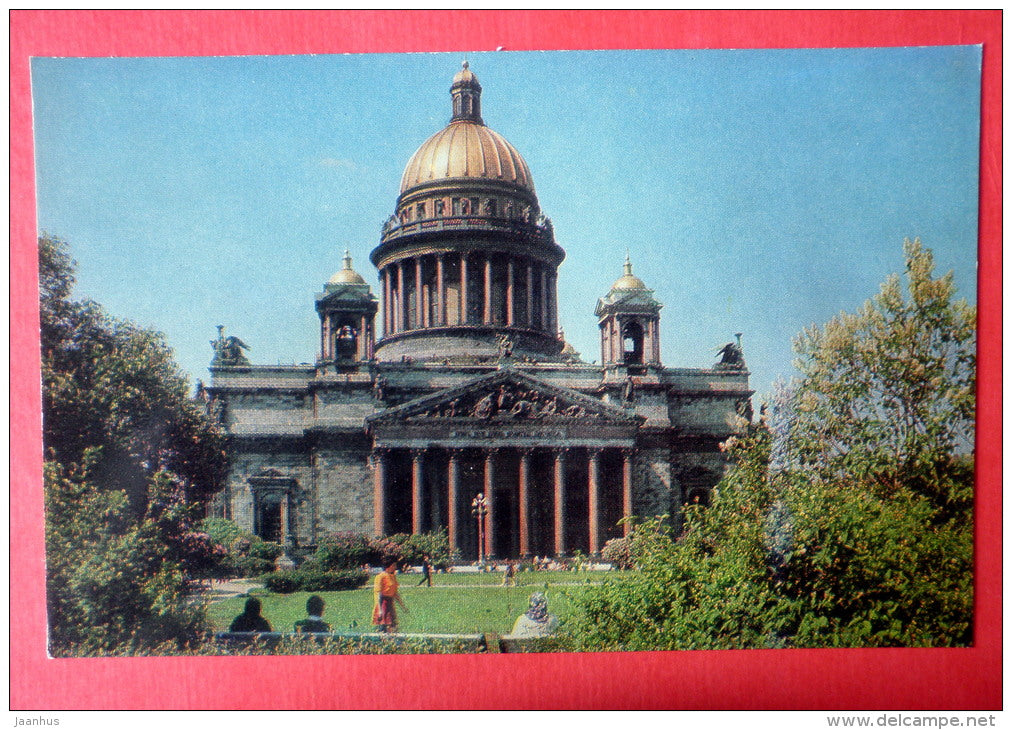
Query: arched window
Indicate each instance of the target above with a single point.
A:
(345, 341)
(632, 344)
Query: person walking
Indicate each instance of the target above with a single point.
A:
(385, 592)
(426, 572)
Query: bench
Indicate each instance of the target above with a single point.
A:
(472, 643)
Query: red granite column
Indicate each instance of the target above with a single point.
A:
(627, 501)
(362, 339)
(490, 501)
(402, 301)
(593, 489)
(524, 509)
(416, 490)
(487, 315)
(387, 302)
(379, 499)
(452, 489)
(559, 483)
(463, 289)
(419, 299)
(509, 291)
(440, 292)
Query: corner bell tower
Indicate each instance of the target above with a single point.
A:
(629, 318)
(347, 310)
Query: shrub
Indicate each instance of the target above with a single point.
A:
(265, 550)
(310, 580)
(344, 551)
(618, 552)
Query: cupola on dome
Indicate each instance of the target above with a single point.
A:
(466, 148)
(627, 280)
(347, 275)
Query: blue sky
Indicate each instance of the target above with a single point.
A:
(756, 191)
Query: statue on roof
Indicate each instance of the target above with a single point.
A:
(731, 355)
(228, 350)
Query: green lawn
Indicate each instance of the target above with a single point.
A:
(458, 603)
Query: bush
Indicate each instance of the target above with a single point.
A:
(618, 552)
(302, 579)
(246, 554)
(345, 551)
(265, 550)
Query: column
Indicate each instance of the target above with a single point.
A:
(452, 489)
(553, 309)
(627, 456)
(593, 489)
(487, 315)
(530, 295)
(544, 302)
(387, 302)
(402, 301)
(463, 289)
(419, 299)
(325, 339)
(284, 519)
(656, 328)
(440, 292)
(525, 471)
(559, 483)
(490, 499)
(379, 497)
(509, 291)
(416, 490)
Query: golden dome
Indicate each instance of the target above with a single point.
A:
(347, 275)
(466, 148)
(627, 280)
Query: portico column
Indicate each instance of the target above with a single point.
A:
(419, 298)
(440, 292)
(509, 291)
(463, 289)
(452, 489)
(559, 483)
(627, 505)
(379, 497)
(487, 315)
(525, 470)
(593, 484)
(490, 501)
(416, 490)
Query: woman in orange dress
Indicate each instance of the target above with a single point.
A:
(384, 612)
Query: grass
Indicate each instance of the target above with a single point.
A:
(458, 603)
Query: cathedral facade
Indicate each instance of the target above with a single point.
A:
(451, 401)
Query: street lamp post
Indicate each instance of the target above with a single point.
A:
(479, 508)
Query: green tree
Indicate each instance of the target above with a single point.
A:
(130, 460)
(846, 519)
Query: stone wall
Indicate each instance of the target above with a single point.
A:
(344, 490)
(652, 482)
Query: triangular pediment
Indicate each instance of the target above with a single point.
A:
(505, 396)
(634, 300)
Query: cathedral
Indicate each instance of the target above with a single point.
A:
(449, 399)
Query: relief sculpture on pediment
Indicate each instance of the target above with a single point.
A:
(507, 402)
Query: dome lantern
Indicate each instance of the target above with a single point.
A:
(466, 93)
